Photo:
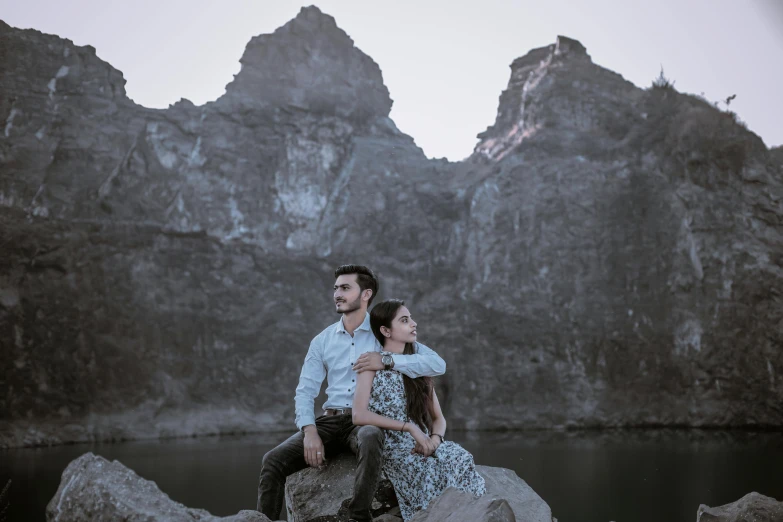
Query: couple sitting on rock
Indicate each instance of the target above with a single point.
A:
(381, 405)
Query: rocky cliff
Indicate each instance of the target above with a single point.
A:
(608, 256)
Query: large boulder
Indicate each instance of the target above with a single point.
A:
(92, 488)
(325, 492)
(526, 504)
(457, 506)
(314, 493)
(752, 507)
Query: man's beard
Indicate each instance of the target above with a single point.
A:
(351, 307)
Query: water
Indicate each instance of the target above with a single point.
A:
(622, 476)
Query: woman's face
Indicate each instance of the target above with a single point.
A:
(403, 327)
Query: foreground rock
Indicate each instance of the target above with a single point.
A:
(526, 504)
(92, 488)
(315, 493)
(752, 507)
(312, 493)
(457, 506)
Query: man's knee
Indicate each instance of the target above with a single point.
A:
(270, 462)
(265, 462)
(284, 459)
(370, 438)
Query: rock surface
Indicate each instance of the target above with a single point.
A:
(313, 493)
(752, 507)
(457, 506)
(608, 256)
(92, 488)
(504, 484)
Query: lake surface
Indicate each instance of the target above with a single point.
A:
(584, 476)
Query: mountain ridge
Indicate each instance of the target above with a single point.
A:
(608, 256)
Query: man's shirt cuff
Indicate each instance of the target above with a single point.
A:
(304, 420)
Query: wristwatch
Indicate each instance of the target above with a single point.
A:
(387, 360)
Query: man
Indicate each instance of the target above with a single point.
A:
(339, 352)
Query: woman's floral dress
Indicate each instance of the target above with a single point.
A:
(417, 479)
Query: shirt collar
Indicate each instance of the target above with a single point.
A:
(364, 326)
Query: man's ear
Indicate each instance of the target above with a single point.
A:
(367, 294)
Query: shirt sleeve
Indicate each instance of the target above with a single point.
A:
(426, 363)
(310, 380)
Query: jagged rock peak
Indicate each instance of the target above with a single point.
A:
(569, 47)
(310, 64)
(557, 86)
(564, 48)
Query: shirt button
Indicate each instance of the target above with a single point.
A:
(353, 380)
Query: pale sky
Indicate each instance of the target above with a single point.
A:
(445, 62)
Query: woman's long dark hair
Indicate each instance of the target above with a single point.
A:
(418, 392)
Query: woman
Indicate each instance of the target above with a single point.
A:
(417, 461)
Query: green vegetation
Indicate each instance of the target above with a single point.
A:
(662, 82)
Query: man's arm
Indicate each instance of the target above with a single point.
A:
(310, 380)
(426, 363)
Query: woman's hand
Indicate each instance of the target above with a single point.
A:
(437, 440)
(424, 445)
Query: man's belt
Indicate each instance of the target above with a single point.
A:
(340, 411)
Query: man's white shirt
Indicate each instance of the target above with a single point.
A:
(333, 353)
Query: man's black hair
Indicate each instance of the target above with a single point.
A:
(364, 276)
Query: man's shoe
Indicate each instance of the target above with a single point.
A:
(342, 512)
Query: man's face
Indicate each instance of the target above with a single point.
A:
(347, 294)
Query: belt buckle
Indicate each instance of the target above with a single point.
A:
(340, 411)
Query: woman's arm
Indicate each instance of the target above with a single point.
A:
(362, 416)
(438, 420)
(361, 401)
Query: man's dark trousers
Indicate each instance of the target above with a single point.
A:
(338, 434)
